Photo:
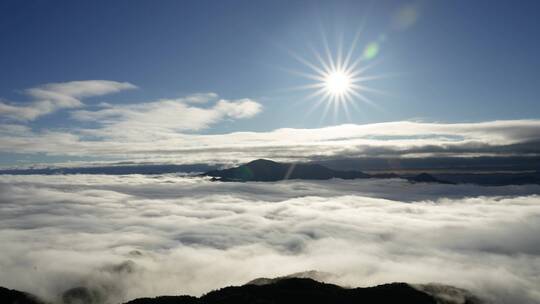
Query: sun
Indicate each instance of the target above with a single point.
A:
(339, 78)
(338, 83)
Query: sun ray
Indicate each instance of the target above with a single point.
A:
(367, 100)
(339, 78)
(321, 92)
(323, 63)
(318, 85)
(326, 109)
(339, 59)
(328, 52)
(374, 77)
(368, 89)
(306, 62)
(304, 74)
(352, 48)
(353, 67)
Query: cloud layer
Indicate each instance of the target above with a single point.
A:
(133, 236)
(169, 130)
(163, 131)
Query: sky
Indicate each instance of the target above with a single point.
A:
(112, 81)
(87, 83)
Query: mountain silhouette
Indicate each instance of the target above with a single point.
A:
(301, 290)
(263, 170)
(284, 290)
(426, 178)
(10, 296)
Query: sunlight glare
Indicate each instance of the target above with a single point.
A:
(339, 80)
(338, 83)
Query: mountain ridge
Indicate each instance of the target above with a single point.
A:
(264, 170)
(284, 290)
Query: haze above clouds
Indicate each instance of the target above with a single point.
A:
(172, 130)
(133, 236)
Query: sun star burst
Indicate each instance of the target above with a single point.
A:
(338, 83)
(339, 79)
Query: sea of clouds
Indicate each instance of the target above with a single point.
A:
(133, 236)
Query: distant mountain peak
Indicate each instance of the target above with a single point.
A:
(262, 161)
(426, 178)
(266, 170)
(315, 275)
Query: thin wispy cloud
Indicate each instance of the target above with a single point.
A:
(52, 97)
(154, 120)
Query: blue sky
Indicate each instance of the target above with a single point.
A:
(452, 62)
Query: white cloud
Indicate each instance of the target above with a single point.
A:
(79, 89)
(54, 96)
(29, 112)
(14, 129)
(200, 98)
(156, 131)
(189, 235)
(164, 131)
(164, 118)
(243, 108)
